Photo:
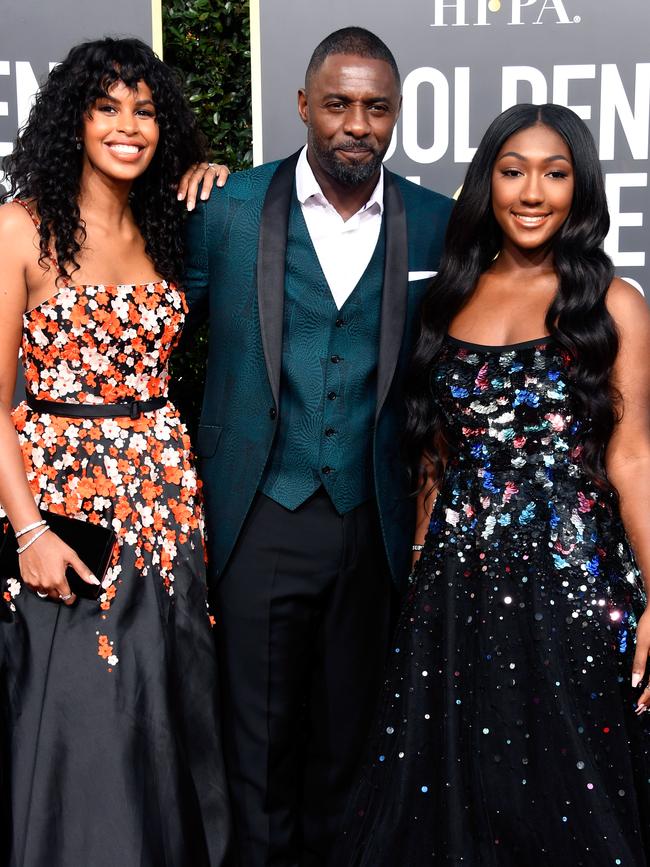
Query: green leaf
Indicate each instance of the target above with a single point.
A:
(208, 43)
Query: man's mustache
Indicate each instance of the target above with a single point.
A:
(355, 147)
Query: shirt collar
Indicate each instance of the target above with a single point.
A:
(307, 187)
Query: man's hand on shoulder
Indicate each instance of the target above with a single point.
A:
(208, 175)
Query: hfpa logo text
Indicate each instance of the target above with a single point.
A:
(481, 13)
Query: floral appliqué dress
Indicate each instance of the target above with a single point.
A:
(112, 747)
(507, 735)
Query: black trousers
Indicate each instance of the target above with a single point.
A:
(303, 623)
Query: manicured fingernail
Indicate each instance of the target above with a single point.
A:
(641, 709)
(190, 206)
(204, 196)
(220, 183)
(180, 197)
(636, 680)
(94, 580)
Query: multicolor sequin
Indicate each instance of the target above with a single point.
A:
(507, 735)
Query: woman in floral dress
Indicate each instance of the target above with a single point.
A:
(112, 742)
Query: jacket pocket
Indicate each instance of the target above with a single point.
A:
(207, 439)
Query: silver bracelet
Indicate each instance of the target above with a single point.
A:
(418, 547)
(33, 539)
(29, 527)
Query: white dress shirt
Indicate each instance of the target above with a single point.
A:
(344, 247)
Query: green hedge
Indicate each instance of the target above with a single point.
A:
(208, 42)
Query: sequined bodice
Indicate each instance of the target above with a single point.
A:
(507, 408)
(514, 478)
(102, 344)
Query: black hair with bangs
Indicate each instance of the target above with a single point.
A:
(45, 165)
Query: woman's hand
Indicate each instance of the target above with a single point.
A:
(43, 565)
(209, 174)
(418, 546)
(424, 507)
(641, 660)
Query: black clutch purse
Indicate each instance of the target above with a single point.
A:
(92, 543)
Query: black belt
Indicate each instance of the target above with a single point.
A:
(133, 409)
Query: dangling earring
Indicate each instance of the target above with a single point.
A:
(78, 144)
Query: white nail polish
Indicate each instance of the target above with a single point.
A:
(636, 680)
(93, 579)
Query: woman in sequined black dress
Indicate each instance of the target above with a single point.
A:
(512, 731)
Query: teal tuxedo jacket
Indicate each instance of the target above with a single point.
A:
(235, 270)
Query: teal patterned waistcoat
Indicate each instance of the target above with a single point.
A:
(328, 389)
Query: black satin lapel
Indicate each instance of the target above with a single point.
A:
(395, 290)
(271, 254)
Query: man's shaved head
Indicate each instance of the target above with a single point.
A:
(351, 40)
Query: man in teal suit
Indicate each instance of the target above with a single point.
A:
(312, 269)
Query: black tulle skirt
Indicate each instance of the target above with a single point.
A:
(507, 736)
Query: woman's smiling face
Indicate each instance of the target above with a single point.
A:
(532, 187)
(120, 132)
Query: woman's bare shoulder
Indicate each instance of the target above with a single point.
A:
(16, 221)
(631, 314)
(626, 304)
(18, 234)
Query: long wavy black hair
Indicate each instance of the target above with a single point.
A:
(577, 319)
(46, 165)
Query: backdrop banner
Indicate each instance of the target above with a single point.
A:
(35, 35)
(463, 62)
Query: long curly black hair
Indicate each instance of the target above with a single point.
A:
(46, 166)
(577, 319)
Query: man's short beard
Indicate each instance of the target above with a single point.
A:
(348, 174)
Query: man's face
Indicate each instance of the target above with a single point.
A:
(350, 107)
